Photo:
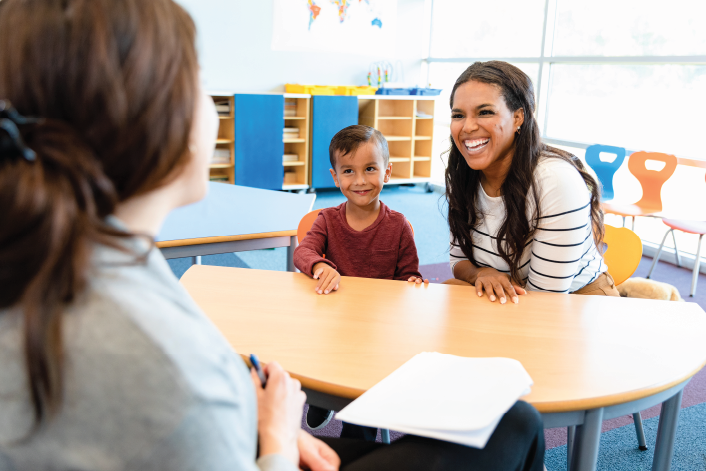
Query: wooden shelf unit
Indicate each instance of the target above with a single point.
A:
(220, 171)
(296, 173)
(409, 138)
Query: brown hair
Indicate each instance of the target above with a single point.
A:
(519, 188)
(114, 84)
(347, 141)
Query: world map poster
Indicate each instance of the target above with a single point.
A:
(345, 26)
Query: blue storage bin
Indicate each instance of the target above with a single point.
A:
(425, 91)
(394, 91)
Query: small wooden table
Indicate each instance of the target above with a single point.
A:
(592, 358)
(234, 218)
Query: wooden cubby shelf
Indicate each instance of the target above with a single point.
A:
(409, 137)
(397, 138)
(225, 142)
(297, 114)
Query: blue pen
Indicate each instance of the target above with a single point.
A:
(258, 369)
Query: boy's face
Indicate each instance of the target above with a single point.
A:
(361, 175)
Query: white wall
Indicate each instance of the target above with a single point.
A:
(234, 38)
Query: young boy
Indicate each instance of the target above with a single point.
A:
(361, 237)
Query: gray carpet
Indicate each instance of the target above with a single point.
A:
(618, 450)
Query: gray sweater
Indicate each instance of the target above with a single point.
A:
(150, 383)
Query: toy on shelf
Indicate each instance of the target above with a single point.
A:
(384, 72)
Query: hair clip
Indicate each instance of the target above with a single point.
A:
(11, 142)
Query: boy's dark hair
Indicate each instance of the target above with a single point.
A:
(347, 141)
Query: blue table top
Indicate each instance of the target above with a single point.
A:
(232, 210)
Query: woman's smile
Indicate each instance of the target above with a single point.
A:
(476, 146)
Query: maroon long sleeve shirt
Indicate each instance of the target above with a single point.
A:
(383, 250)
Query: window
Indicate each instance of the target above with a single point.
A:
(648, 107)
(615, 72)
(628, 28)
(507, 28)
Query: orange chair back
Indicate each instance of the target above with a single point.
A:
(623, 254)
(308, 221)
(651, 180)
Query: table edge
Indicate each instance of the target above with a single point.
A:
(217, 239)
(542, 407)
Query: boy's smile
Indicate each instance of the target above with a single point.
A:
(361, 175)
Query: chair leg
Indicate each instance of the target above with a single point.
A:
(623, 221)
(385, 435)
(640, 431)
(659, 252)
(676, 250)
(697, 265)
(570, 437)
(633, 223)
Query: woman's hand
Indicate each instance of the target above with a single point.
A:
(316, 455)
(417, 280)
(327, 276)
(279, 412)
(497, 284)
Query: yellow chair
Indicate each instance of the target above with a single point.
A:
(623, 252)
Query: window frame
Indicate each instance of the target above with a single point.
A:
(546, 60)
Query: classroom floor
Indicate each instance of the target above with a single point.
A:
(618, 449)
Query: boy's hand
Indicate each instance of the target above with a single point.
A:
(417, 280)
(327, 276)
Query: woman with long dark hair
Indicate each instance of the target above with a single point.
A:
(523, 215)
(105, 361)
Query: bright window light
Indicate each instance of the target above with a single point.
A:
(629, 28)
(508, 28)
(640, 107)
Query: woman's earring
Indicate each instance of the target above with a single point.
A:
(518, 130)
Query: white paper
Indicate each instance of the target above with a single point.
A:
(365, 27)
(443, 396)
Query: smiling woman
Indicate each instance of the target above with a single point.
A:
(522, 214)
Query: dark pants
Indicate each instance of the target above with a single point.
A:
(359, 432)
(517, 444)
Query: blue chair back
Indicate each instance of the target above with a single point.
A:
(605, 170)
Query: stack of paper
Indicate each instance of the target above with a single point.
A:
(221, 156)
(291, 133)
(446, 397)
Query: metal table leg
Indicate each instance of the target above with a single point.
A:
(290, 254)
(666, 432)
(196, 260)
(385, 435)
(584, 455)
(640, 431)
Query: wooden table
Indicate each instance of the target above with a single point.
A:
(234, 218)
(592, 358)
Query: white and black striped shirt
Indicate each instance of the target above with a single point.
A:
(562, 257)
